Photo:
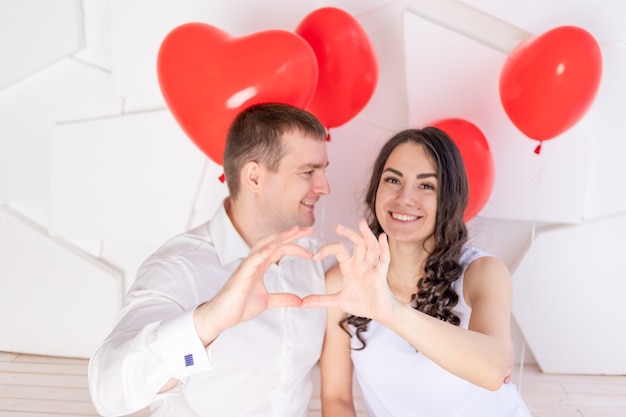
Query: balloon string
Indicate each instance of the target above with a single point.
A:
(538, 148)
(533, 235)
(523, 320)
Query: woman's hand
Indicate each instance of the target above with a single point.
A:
(365, 291)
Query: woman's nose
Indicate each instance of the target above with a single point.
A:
(408, 196)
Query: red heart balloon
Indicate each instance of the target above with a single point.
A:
(477, 158)
(348, 69)
(207, 77)
(548, 83)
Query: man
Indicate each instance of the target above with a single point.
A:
(207, 330)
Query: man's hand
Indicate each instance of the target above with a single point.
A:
(244, 295)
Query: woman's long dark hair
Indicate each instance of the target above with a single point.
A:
(434, 293)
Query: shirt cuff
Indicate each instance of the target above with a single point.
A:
(181, 347)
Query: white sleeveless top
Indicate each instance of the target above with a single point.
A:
(398, 381)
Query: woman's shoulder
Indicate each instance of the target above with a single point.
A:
(471, 253)
(484, 270)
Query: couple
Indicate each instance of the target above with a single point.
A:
(227, 319)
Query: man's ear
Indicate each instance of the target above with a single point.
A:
(251, 175)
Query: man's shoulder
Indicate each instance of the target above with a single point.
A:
(195, 238)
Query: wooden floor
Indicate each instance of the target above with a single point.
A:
(40, 386)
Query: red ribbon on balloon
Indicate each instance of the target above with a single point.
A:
(207, 77)
(477, 158)
(548, 82)
(348, 67)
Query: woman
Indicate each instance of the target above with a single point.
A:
(421, 318)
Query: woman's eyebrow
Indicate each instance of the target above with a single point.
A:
(395, 171)
(419, 176)
(426, 175)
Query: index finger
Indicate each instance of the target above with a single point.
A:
(292, 234)
(259, 260)
(338, 249)
(288, 249)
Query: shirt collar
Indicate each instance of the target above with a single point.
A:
(229, 245)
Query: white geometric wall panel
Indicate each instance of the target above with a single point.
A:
(137, 29)
(387, 107)
(506, 239)
(603, 18)
(55, 299)
(36, 33)
(211, 193)
(97, 32)
(568, 298)
(65, 91)
(605, 125)
(550, 187)
(450, 75)
(128, 178)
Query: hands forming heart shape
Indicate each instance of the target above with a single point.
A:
(365, 291)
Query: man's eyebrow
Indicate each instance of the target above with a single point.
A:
(315, 166)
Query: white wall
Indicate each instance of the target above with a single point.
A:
(95, 173)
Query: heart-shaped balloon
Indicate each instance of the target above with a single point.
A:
(548, 82)
(348, 67)
(477, 158)
(208, 76)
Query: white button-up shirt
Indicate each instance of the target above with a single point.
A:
(261, 367)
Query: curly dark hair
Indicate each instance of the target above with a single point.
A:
(434, 293)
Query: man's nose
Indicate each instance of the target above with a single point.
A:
(322, 186)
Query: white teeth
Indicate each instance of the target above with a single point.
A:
(403, 217)
(306, 203)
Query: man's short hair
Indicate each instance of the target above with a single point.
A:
(256, 135)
